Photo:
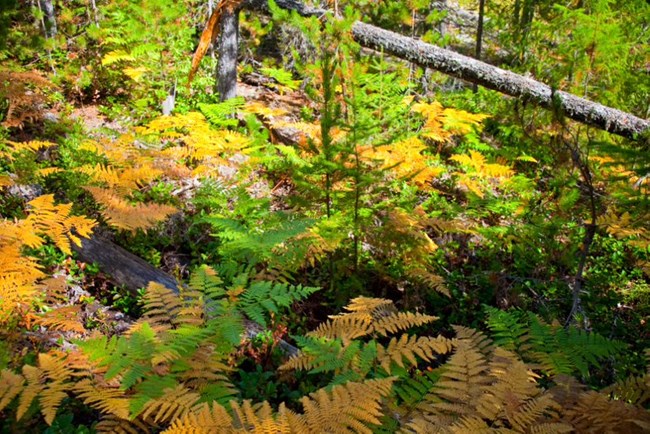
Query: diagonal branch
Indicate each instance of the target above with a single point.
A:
(472, 70)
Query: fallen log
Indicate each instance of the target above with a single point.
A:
(472, 70)
(134, 273)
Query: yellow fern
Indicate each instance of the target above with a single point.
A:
(349, 407)
(11, 384)
(108, 400)
(115, 425)
(173, 404)
(55, 222)
(405, 160)
(367, 316)
(49, 382)
(408, 347)
(122, 214)
(442, 123)
(65, 319)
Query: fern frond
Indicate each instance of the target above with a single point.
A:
(259, 418)
(174, 403)
(205, 421)
(474, 339)
(595, 413)
(551, 428)
(161, 307)
(412, 390)
(108, 400)
(408, 347)
(65, 319)
(475, 424)
(400, 321)
(56, 222)
(115, 425)
(633, 390)
(261, 298)
(351, 407)
(462, 383)
(48, 382)
(11, 384)
(507, 328)
(124, 215)
(369, 315)
(220, 114)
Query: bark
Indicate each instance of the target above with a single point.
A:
(228, 51)
(49, 18)
(124, 267)
(472, 70)
(479, 34)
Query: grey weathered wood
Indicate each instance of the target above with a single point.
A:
(228, 48)
(472, 70)
(124, 267)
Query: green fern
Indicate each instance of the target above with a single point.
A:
(262, 298)
(221, 114)
(555, 350)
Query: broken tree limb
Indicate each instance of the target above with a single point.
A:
(472, 70)
(124, 267)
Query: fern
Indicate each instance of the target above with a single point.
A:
(124, 215)
(48, 382)
(11, 385)
(261, 298)
(108, 400)
(555, 349)
(116, 425)
(336, 347)
(173, 404)
(220, 115)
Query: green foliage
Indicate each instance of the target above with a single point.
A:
(555, 349)
(220, 114)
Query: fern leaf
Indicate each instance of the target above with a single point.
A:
(161, 307)
(107, 400)
(123, 215)
(205, 421)
(408, 347)
(173, 404)
(351, 407)
(115, 425)
(65, 318)
(11, 385)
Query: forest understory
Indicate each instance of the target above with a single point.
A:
(364, 217)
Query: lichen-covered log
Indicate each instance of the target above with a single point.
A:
(124, 267)
(469, 69)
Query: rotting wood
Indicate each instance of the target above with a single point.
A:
(466, 68)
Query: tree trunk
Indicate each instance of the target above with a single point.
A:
(49, 18)
(228, 49)
(479, 34)
(472, 70)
